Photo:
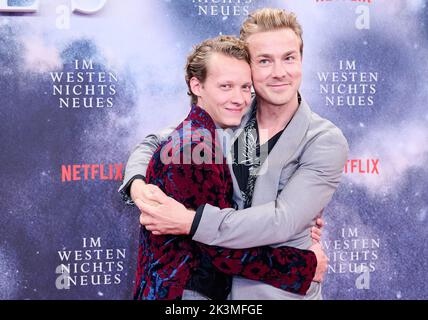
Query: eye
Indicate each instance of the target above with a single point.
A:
(226, 86)
(264, 61)
(290, 58)
(246, 87)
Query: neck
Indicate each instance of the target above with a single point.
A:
(274, 118)
(216, 124)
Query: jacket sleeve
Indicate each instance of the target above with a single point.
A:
(307, 192)
(285, 268)
(139, 160)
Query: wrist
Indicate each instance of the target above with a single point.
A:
(187, 226)
(135, 185)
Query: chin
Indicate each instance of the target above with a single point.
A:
(279, 101)
(231, 124)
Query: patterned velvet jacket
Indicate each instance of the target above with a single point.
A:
(165, 263)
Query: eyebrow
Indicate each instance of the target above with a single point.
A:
(232, 82)
(270, 55)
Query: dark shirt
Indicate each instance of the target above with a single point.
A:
(248, 157)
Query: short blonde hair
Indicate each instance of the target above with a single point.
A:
(197, 61)
(269, 19)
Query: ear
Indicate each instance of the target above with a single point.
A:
(195, 86)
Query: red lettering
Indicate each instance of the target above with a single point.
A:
(362, 166)
(102, 176)
(76, 172)
(375, 163)
(95, 170)
(65, 173)
(86, 170)
(118, 167)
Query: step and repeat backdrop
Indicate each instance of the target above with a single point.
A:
(82, 82)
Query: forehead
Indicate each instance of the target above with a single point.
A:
(273, 42)
(222, 66)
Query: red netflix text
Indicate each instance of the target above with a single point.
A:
(363, 166)
(85, 172)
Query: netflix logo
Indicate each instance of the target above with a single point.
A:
(362, 166)
(86, 172)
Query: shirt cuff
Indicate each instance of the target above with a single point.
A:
(126, 190)
(196, 220)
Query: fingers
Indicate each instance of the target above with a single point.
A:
(149, 224)
(319, 222)
(316, 239)
(145, 208)
(316, 231)
(138, 203)
(315, 235)
(145, 220)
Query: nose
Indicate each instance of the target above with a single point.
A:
(239, 97)
(279, 70)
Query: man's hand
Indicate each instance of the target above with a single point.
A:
(322, 262)
(316, 231)
(161, 214)
(141, 190)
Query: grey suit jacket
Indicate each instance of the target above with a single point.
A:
(298, 179)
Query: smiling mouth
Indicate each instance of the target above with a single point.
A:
(234, 110)
(279, 85)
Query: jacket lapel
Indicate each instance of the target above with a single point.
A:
(237, 196)
(267, 182)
